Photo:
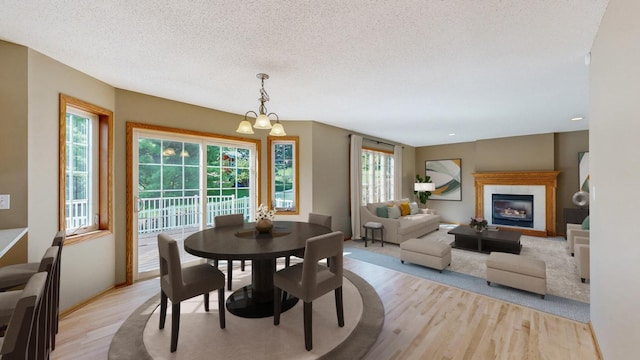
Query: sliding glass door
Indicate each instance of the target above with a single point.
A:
(181, 184)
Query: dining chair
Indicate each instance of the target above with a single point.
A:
(320, 219)
(21, 332)
(230, 220)
(19, 274)
(178, 284)
(309, 280)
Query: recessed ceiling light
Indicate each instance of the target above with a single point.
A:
(452, 134)
(576, 119)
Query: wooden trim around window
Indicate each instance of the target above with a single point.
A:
(131, 126)
(105, 167)
(270, 141)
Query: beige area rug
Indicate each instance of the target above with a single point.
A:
(562, 272)
(200, 336)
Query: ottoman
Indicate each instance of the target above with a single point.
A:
(517, 271)
(433, 254)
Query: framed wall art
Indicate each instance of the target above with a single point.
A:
(446, 176)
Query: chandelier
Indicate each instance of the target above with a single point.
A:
(262, 119)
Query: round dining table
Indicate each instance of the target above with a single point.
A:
(243, 242)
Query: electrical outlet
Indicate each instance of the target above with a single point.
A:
(4, 201)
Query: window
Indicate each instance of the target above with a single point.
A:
(85, 144)
(377, 176)
(283, 174)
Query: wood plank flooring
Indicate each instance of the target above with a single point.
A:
(423, 320)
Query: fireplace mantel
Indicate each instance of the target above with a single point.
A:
(548, 179)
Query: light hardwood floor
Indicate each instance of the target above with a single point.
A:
(423, 320)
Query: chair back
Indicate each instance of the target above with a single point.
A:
(170, 267)
(320, 219)
(228, 220)
(21, 330)
(316, 282)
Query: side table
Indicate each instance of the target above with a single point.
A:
(373, 226)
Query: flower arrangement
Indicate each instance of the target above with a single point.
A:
(478, 223)
(264, 213)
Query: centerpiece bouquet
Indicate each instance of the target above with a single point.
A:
(264, 218)
(478, 223)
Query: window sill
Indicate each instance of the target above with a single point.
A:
(73, 239)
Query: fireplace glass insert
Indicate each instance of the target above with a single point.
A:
(512, 210)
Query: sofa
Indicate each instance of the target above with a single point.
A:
(405, 227)
(576, 231)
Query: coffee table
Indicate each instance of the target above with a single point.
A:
(486, 241)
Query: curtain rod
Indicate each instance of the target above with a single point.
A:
(376, 141)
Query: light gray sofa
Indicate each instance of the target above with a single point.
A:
(404, 228)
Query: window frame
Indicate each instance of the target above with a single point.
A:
(274, 140)
(391, 188)
(104, 149)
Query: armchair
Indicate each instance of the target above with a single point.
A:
(582, 259)
(573, 231)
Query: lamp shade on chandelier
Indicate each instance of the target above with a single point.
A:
(262, 117)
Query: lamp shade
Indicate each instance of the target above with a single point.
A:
(424, 187)
(277, 130)
(262, 122)
(244, 127)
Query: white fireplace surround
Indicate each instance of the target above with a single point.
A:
(539, 196)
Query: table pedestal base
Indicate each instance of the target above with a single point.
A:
(241, 303)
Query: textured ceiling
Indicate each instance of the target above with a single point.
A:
(410, 71)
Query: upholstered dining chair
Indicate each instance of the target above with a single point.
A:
(309, 280)
(229, 220)
(21, 332)
(178, 284)
(320, 219)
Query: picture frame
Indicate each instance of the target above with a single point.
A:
(446, 174)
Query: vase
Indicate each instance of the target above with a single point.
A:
(264, 226)
(478, 228)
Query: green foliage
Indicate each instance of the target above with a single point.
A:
(423, 196)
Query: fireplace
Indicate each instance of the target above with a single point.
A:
(512, 210)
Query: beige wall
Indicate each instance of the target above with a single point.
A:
(13, 133)
(615, 166)
(88, 268)
(521, 153)
(567, 146)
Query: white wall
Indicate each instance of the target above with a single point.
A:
(615, 166)
(88, 268)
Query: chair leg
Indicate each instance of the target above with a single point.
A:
(163, 308)
(339, 307)
(206, 302)
(242, 265)
(229, 272)
(175, 325)
(287, 261)
(276, 305)
(308, 334)
(215, 263)
(221, 310)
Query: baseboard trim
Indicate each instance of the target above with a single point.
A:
(84, 303)
(595, 341)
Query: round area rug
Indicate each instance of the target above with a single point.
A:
(201, 337)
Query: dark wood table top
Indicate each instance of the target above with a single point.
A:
(243, 242)
(499, 235)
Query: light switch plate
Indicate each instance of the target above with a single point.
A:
(4, 201)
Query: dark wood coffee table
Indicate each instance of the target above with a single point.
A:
(486, 241)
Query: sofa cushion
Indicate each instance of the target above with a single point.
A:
(394, 212)
(404, 209)
(411, 223)
(382, 212)
(413, 208)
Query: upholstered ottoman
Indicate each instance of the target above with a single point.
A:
(517, 271)
(433, 254)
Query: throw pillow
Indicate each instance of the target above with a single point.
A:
(404, 209)
(394, 212)
(382, 212)
(413, 208)
(585, 223)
